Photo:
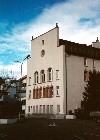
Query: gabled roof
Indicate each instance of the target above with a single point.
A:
(22, 78)
(80, 49)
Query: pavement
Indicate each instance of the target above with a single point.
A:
(46, 129)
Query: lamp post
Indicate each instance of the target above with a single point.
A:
(20, 84)
(21, 72)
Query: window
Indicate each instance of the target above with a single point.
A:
(40, 111)
(33, 93)
(37, 109)
(57, 89)
(51, 91)
(42, 42)
(29, 94)
(28, 108)
(29, 80)
(33, 109)
(44, 109)
(51, 109)
(86, 75)
(85, 62)
(42, 76)
(42, 53)
(50, 75)
(36, 77)
(23, 102)
(43, 92)
(57, 74)
(47, 108)
(37, 93)
(58, 108)
(93, 63)
(40, 92)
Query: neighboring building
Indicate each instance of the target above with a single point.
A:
(21, 92)
(57, 73)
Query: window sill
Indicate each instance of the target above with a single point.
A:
(39, 83)
(34, 84)
(86, 81)
(85, 66)
(57, 79)
(49, 81)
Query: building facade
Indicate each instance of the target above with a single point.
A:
(57, 73)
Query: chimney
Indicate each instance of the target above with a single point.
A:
(32, 37)
(57, 25)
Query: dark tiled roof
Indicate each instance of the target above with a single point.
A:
(80, 49)
(22, 78)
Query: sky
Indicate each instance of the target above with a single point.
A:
(78, 21)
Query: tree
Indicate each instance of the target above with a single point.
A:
(2, 81)
(91, 95)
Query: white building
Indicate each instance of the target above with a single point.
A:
(57, 73)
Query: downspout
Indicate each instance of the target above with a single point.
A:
(66, 78)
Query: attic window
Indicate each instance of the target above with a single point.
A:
(42, 42)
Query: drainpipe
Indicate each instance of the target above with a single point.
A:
(66, 55)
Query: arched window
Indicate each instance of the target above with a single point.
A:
(50, 74)
(36, 76)
(42, 73)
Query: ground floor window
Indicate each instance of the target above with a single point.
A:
(47, 108)
(37, 109)
(42, 109)
(58, 108)
(28, 108)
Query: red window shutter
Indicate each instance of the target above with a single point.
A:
(40, 92)
(50, 92)
(46, 92)
(36, 93)
(43, 92)
(33, 93)
(87, 76)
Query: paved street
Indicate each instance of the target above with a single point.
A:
(44, 129)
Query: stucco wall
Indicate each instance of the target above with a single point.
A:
(75, 79)
(53, 58)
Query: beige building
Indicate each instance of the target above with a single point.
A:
(57, 73)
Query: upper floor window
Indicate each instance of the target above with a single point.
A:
(57, 74)
(36, 77)
(29, 94)
(42, 42)
(85, 62)
(50, 74)
(29, 80)
(57, 89)
(42, 76)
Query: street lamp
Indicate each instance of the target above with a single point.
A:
(27, 57)
(20, 84)
(21, 66)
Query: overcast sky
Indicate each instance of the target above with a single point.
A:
(78, 21)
